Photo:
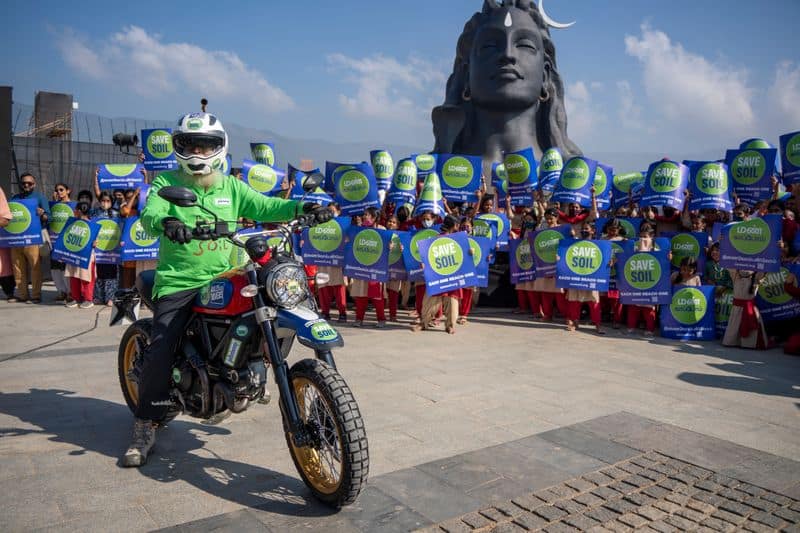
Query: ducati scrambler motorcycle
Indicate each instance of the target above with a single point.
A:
(244, 322)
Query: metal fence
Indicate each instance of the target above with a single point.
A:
(72, 158)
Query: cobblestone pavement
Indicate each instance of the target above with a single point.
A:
(649, 492)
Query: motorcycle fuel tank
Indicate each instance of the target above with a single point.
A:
(222, 297)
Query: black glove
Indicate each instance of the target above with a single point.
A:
(176, 231)
(321, 213)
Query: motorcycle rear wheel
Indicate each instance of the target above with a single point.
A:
(138, 332)
(137, 335)
(336, 469)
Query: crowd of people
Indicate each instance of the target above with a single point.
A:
(21, 268)
(540, 299)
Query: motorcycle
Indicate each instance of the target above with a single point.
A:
(242, 323)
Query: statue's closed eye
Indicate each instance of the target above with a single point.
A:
(527, 43)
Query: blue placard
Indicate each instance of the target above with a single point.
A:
(75, 244)
(460, 176)
(262, 178)
(689, 314)
(144, 190)
(626, 188)
(486, 228)
(25, 228)
(403, 188)
(665, 185)
(772, 300)
(297, 193)
(583, 264)
(709, 185)
(790, 158)
(723, 304)
(752, 244)
(617, 249)
(482, 257)
(550, 169)
(448, 263)
(324, 244)
(426, 163)
(107, 244)
(544, 244)
(60, 212)
(136, 243)
(523, 176)
(500, 183)
(120, 176)
(750, 171)
(263, 153)
(575, 182)
(356, 189)
(367, 254)
(688, 244)
(411, 256)
(330, 169)
(642, 278)
(430, 197)
(159, 153)
(521, 261)
(503, 227)
(603, 178)
(397, 267)
(382, 167)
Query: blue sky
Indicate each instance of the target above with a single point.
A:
(641, 75)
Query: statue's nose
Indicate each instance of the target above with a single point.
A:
(508, 53)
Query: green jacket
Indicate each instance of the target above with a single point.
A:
(191, 266)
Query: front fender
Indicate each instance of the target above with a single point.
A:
(312, 330)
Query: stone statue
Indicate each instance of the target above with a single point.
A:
(505, 92)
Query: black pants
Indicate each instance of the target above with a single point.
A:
(7, 283)
(169, 324)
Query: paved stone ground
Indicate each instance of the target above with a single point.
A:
(650, 492)
(433, 404)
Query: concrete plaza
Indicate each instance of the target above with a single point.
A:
(426, 398)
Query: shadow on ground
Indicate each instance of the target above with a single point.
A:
(104, 427)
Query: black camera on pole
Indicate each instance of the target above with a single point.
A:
(125, 140)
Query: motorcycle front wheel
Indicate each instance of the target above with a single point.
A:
(336, 465)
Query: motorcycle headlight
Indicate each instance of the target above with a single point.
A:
(286, 285)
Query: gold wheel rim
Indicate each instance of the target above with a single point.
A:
(129, 360)
(323, 467)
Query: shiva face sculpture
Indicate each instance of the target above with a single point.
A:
(505, 93)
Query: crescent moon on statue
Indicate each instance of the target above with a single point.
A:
(550, 22)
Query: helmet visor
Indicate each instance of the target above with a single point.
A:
(188, 144)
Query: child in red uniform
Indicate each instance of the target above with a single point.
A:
(81, 280)
(613, 231)
(645, 243)
(335, 288)
(449, 301)
(363, 291)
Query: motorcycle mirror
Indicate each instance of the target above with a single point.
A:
(180, 196)
(312, 182)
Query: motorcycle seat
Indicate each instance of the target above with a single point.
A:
(144, 284)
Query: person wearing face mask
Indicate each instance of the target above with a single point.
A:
(545, 287)
(615, 232)
(527, 296)
(426, 220)
(363, 291)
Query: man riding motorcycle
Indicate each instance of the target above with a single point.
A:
(184, 267)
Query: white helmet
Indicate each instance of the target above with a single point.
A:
(204, 131)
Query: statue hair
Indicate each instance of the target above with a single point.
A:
(550, 128)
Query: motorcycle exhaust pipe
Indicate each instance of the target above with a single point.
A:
(223, 393)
